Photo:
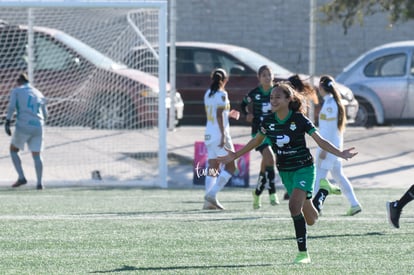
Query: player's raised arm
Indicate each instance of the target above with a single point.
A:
(329, 147)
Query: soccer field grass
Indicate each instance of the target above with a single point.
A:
(162, 231)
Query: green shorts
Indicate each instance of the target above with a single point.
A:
(303, 179)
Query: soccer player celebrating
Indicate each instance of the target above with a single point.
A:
(286, 129)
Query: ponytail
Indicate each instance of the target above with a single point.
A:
(328, 84)
(304, 88)
(218, 77)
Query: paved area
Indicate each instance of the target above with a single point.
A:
(385, 159)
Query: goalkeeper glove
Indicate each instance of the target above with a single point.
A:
(7, 127)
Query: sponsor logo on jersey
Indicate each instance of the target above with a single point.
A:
(282, 140)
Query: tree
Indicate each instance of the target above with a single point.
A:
(350, 12)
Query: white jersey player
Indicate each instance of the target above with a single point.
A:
(215, 131)
(30, 107)
(217, 137)
(331, 127)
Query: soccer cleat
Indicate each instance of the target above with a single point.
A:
(213, 200)
(286, 196)
(302, 258)
(393, 213)
(19, 182)
(332, 189)
(40, 187)
(208, 206)
(354, 210)
(319, 203)
(256, 200)
(274, 200)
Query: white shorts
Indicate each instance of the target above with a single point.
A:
(214, 151)
(33, 136)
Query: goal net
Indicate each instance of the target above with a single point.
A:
(107, 121)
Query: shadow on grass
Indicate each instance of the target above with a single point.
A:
(161, 212)
(133, 268)
(331, 236)
(171, 213)
(230, 202)
(348, 235)
(195, 211)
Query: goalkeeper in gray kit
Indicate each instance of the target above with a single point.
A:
(31, 113)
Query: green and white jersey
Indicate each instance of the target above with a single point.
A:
(261, 108)
(288, 140)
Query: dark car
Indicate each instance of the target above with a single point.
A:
(196, 60)
(382, 80)
(83, 86)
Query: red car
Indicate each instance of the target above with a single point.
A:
(83, 87)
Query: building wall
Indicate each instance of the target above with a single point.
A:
(279, 29)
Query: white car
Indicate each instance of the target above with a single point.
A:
(382, 80)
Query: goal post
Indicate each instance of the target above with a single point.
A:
(108, 121)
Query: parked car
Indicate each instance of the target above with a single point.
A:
(83, 86)
(196, 60)
(382, 80)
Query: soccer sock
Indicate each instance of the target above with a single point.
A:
(210, 181)
(348, 192)
(261, 182)
(319, 199)
(38, 167)
(406, 198)
(270, 173)
(222, 180)
(17, 164)
(300, 230)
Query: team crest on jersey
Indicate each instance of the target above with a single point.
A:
(292, 126)
(249, 99)
(223, 98)
(329, 110)
(263, 130)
